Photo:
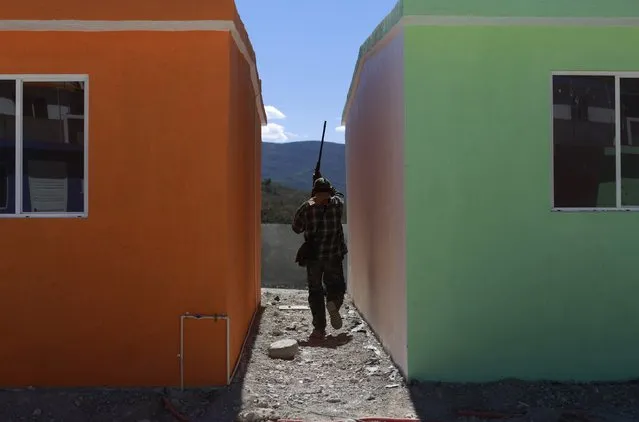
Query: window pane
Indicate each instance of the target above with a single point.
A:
(584, 141)
(629, 141)
(53, 147)
(7, 146)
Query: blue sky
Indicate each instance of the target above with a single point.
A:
(306, 52)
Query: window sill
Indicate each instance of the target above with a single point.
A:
(595, 210)
(45, 215)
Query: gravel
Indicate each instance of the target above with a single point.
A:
(347, 376)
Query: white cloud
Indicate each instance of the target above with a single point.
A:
(272, 113)
(274, 132)
(340, 129)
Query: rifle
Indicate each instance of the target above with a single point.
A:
(316, 173)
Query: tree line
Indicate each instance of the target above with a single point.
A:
(280, 202)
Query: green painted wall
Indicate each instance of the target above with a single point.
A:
(498, 286)
(576, 8)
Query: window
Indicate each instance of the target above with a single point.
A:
(595, 141)
(7, 146)
(43, 146)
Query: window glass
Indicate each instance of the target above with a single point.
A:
(7, 146)
(629, 92)
(584, 141)
(53, 147)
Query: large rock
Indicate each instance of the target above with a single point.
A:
(283, 349)
(257, 415)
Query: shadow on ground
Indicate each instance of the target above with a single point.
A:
(519, 401)
(328, 342)
(227, 403)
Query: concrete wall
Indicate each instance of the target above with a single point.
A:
(375, 181)
(544, 8)
(126, 258)
(279, 246)
(244, 159)
(98, 300)
(498, 285)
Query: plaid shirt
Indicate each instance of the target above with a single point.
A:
(322, 226)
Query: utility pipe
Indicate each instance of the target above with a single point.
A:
(214, 317)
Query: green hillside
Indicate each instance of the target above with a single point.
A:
(291, 164)
(280, 202)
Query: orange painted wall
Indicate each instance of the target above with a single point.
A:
(120, 10)
(244, 183)
(171, 227)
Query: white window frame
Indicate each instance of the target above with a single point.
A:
(65, 119)
(629, 122)
(618, 76)
(20, 79)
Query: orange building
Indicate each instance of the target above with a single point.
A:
(129, 192)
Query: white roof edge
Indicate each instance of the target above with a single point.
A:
(147, 25)
(434, 20)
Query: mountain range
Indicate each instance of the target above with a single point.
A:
(292, 164)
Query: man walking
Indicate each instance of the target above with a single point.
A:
(323, 251)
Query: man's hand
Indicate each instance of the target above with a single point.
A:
(320, 198)
(316, 175)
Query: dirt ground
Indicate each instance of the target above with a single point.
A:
(347, 376)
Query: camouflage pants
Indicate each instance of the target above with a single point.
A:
(325, 279)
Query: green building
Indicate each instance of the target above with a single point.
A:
(493, 179)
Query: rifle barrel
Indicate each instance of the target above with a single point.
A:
(319, 158)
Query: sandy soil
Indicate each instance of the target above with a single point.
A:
(347, 376)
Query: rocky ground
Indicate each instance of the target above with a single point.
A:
(347, 376)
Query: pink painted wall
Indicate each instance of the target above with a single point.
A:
(375, 185)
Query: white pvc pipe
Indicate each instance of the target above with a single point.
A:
(214, 317)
